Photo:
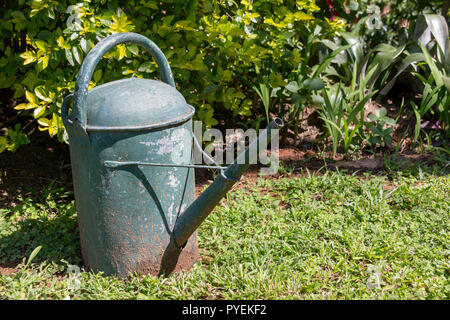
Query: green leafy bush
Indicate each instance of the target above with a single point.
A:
(216, 50)
(432, 35)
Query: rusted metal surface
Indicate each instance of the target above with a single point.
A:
(79, 114)
(131, 153)
(126, 214)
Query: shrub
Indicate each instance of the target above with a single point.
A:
(217, 50)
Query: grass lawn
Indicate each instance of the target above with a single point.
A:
(329, 236)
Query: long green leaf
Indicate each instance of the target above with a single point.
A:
(333, 125)
(439, 29)
(363, 83)
(418, 119)
(357, 46)
(429, 98)
(353, 84)
(384, 59)
(33, 255)
(330, 58)
(264, 94)
(410, 59)
(360, 106)
(421, 33)
(422, 78)
(333, 133)
(437, 75)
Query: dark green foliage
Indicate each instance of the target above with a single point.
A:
(215, 48)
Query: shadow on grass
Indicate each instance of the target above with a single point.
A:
(50, 223)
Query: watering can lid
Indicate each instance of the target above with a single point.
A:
(135, 104)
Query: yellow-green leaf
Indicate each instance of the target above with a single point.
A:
(303, 16)
(44, 122)
(52, 131)
(28, 56)
(31, 98)
(3, 144)
(34, 12)
(21, 106)
(38, 112)
(62, 43)
(43, 63)
(41, 45)
(120, 24)
(41, 94)
(122, 51)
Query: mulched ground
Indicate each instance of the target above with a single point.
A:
(44, 161)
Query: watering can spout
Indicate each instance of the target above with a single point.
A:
(197, 212)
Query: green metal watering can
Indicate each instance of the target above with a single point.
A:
(135, 204)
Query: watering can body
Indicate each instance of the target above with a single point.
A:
(126, 214)
(131, 154)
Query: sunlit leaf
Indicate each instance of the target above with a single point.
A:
(29, 57)
(38, 112)
(3, 143)
(43, 63)
(31, 98)
(69, 57)
(439, 29)
(41, 45)
(77, 54)
(41, 94)
(122, 51)
(44, 122)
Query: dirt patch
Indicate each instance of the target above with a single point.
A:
(299, 162)
(7, 271)
(34, 166)
(365, 164)
(8, 268)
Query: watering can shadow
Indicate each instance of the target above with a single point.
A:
(135, 204)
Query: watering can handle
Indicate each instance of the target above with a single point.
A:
(79, 113)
